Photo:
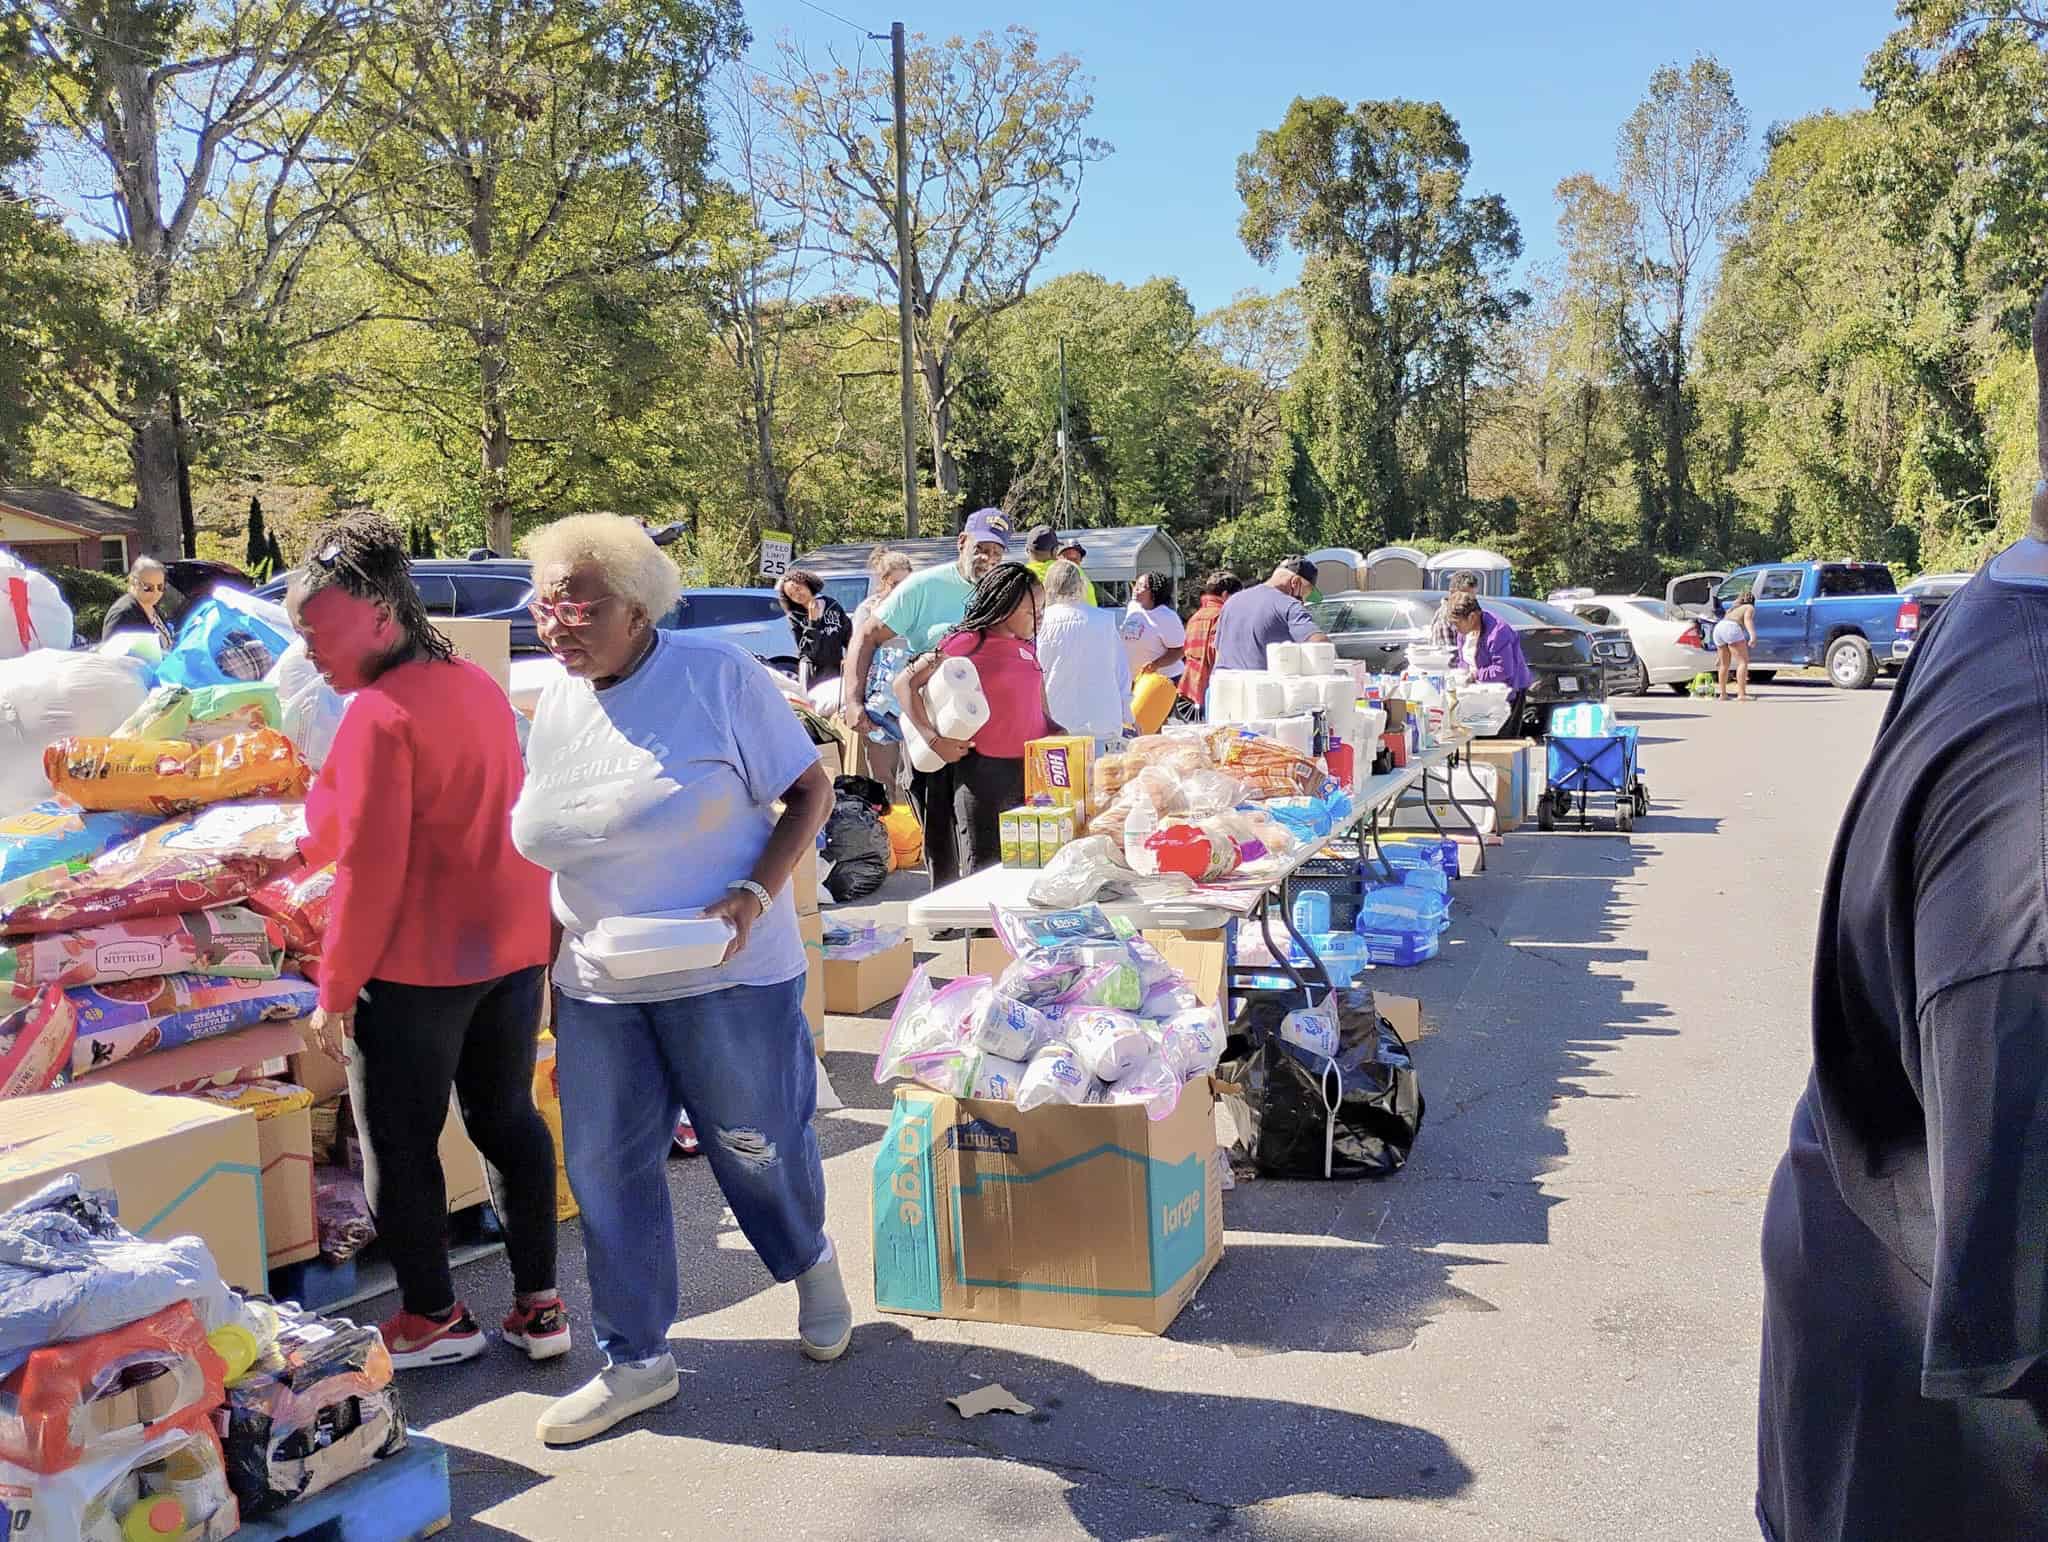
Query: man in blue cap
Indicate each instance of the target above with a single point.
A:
(923, 607)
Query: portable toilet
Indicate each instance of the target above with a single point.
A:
(1489, 567)
(1339, 569)
(1393, 567)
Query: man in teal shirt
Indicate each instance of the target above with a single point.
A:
(923, 608)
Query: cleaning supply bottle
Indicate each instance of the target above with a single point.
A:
(1139, 827)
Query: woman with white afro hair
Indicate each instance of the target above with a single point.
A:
(667, 774)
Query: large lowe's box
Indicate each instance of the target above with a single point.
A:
(180, 1166)
(1065, 1217)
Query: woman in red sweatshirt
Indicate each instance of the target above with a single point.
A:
(438, 936)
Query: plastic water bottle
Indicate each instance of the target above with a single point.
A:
(1311, 912)
(1143, 820)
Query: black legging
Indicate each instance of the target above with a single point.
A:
(962, 806)
(412, 1044)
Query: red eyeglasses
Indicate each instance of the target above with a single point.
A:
(568, 613)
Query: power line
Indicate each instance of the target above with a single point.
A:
(838, 18)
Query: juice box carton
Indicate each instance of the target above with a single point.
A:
(1055, 829)
(1057, 768)
(1018, 831)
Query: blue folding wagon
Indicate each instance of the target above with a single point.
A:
(1587, 768)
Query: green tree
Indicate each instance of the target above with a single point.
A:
(1404, 280)
(998, 147)
(162, 107)
(531, 179)
(1680, 159)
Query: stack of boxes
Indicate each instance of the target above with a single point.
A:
(1055, 807)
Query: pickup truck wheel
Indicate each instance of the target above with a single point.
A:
(1850, 664)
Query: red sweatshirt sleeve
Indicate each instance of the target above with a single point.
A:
(368, 793)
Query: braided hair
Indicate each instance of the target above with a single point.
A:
(365, 555)
(1002, 589)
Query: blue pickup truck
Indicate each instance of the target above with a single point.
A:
(1847, 617)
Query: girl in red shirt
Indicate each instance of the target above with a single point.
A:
(437, 939)
(964, 799)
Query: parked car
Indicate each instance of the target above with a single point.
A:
(1847, 617)
(1693, 593)
(1924, 596)
(1670, 647)
(194, 577)
(501, 589)
(1613, 649)
(1380, 627)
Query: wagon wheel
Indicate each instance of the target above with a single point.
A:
(1624, 815)
(1546, 814)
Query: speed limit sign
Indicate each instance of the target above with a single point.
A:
(776, 546)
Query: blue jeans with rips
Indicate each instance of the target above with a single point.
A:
(742, 1059)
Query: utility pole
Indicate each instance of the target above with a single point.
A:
(1066, 475)
(905, 256)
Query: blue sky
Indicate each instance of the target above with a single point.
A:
(1182, 90)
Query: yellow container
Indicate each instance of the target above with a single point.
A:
(1151, 701)
(1057, 769)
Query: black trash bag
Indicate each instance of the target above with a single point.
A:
(1356, 1116)
(864, 788)
(857, 846)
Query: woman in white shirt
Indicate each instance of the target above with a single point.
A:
(1087, 671)
(1154, 635)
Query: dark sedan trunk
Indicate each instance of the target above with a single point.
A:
(1562, 663)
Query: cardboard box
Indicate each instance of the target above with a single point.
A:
(812, 927)
(858, 984)
(1203, 956)
(179, 1165)
(987, 955)
(1510, 760)
(486, 644)
(1088, 1217)
(320, 1074)
(833, 758)
(803, 882)
(1058, 768)
(1405, 1013)
(462, 1165)
(284, 1149)
(218, 1060)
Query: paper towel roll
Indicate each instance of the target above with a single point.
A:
(1319, 658)
(1226, 695)
(1264, 696)
(1300, 693)
(962, 717)
(1297, 732)
(954, 678)
(1285, 658)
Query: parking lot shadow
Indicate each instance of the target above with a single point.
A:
(1530, 992)
(1138, 1461)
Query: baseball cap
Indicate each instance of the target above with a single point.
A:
(1301, 567)
(1043, 539)
(989, 525)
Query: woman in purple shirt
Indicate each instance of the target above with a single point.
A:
(1488, 646)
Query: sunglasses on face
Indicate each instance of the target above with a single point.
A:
(568, 613)
(149, 588)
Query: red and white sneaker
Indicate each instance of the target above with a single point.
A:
(416, 1341)
(686, 1142)
(542, 1329)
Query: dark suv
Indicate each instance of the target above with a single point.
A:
(488, 589)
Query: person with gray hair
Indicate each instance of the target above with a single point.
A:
(1442, 631)
(150, 605)
(1087, 668)
(669, 777)
(1904, 1376)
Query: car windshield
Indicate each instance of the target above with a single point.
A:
(1549, 615)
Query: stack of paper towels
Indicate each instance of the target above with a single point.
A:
(954, 698)
(1258, 696)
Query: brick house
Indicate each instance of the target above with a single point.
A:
(50, 527)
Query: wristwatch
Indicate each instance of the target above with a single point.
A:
(760, 894)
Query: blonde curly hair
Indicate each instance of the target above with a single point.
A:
(634, 568)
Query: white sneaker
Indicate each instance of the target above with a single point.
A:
(614, 1393)
(824, 1317)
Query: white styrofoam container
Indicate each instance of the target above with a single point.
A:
(670, 942)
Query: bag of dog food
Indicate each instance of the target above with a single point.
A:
(175, 776)
(122, 1019)
(231, 941)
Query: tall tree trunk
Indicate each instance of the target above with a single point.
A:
(1675, 477)
(497, 440)
(188, 526)
(153, 454)
(938, 416)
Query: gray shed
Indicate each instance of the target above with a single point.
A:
(1115, 556)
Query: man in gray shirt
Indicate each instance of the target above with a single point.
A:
(1271, 612)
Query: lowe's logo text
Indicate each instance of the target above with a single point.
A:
(980, 1135)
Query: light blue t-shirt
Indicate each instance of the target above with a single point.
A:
(925, 605)
(655, 795)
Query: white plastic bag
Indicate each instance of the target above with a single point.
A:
(32, 610)
(48, 694)
(311, 709)
(1053, 1076)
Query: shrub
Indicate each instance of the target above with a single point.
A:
(88, 594)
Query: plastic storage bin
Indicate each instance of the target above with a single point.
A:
(1399, 949)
